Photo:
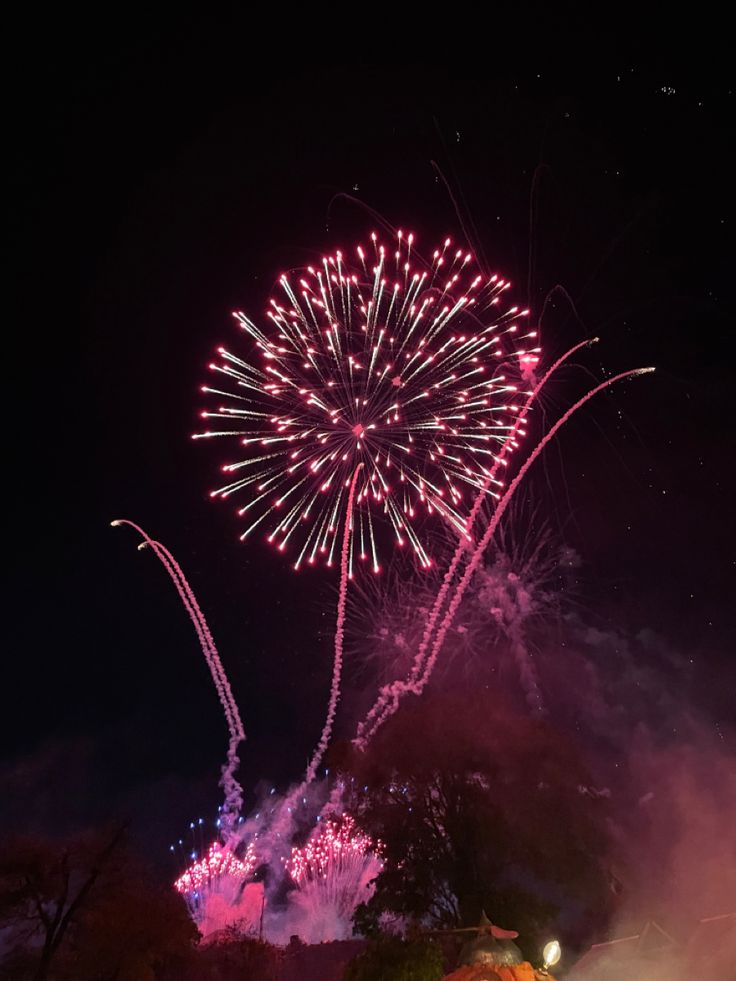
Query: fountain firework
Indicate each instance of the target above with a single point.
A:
(218, 873)
(333, 872)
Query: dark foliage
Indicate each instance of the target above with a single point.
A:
(480, 809)
(232, 957)
(83, 909)
(393, 959)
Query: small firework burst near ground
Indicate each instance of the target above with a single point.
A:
(408, 369)
(219, 873)
(333, 873)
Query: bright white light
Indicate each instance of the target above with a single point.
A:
(552, 953)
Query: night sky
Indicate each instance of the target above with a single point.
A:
(159, 183)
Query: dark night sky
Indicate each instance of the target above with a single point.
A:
(158, 185)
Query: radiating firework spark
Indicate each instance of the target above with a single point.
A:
(219, 872)
(518, 588)
(411, 369)
(334, 870)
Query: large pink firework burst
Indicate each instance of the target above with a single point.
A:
(408, 371)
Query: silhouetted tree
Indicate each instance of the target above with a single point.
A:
(230, 956)
(478, 808)
(44, 887)
(83, 909)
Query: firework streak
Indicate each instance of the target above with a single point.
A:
(233, 790)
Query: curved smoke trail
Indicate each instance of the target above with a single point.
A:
(417, 686)
(233, 790)
(390, 693)
(339, 637)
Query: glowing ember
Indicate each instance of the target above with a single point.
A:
(407, 367)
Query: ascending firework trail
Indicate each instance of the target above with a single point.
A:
(339, 635)
(233, 790)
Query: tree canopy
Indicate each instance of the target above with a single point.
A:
(478, 808)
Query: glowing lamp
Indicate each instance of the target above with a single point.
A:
(551, 953)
